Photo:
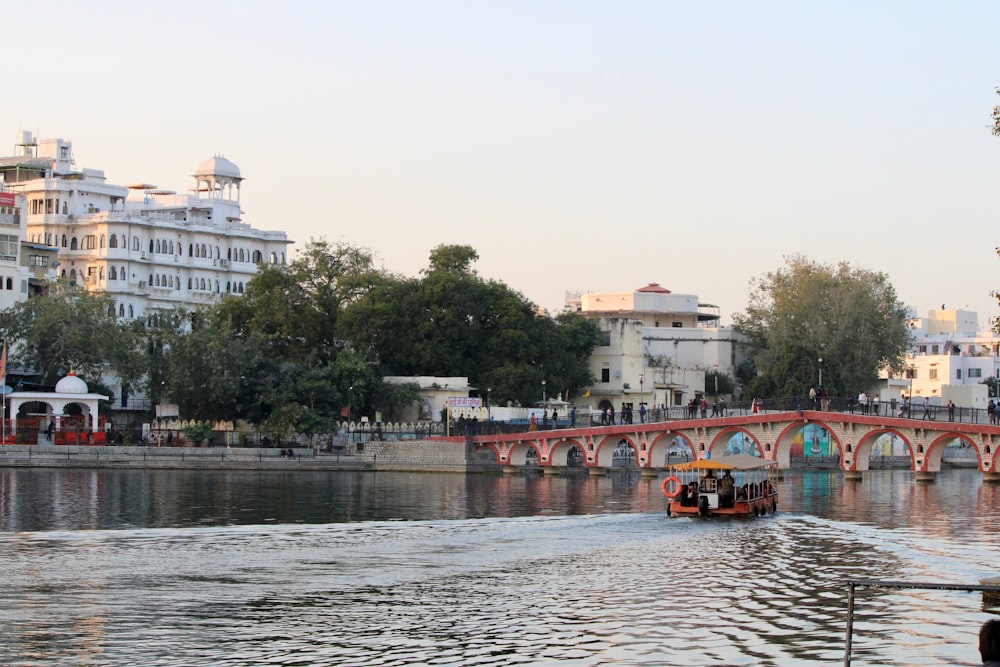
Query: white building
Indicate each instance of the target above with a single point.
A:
(656, 346)
(25, 268)
(150, 249)
(949, 360)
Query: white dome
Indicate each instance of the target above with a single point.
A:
(217, 166)
(71, 384)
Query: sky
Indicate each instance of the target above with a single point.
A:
(576, 145)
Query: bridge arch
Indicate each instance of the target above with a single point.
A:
(724, 437)
(561, 450)
(783, 444)
(934, 452)
(665, 442)
(518, 455)
(604, 449)
(860, 458)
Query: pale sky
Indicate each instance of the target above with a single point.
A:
(577, 145)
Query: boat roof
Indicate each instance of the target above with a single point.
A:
(732, 462)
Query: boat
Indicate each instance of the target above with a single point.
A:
(697, 488)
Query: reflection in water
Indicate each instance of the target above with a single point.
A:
(199, 568)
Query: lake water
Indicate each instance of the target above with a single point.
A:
(254, 568)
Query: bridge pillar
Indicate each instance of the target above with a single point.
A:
(511, 470)
(991, 478)
(853, 476)
(551, 471)
(925, 476)
(597, 471)
(653, 473)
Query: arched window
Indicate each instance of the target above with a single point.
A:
(241, 288)
(216, 286)
(150, 283)
(121, 272)
(135, 243)
(100, 272)
(121, 310)
(229, 254)
(189, 283)
(112, 241)
(157, 245)
(157, 278)
(10, 283)
(274, 258)
(112, 271)
(73, 244)
(203, 285)
(242, 256)
(204, 250)
(150, 245)
(100, 243)
(229, 287)
(131, 313)
(190, 250)
(111, 310)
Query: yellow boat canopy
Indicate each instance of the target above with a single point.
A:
(733, 462)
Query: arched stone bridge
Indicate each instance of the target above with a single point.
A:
(772, 433)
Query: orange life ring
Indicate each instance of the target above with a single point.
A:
(671, 480)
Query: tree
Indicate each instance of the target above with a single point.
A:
(848, 317)
(451, 322)
(69, 329)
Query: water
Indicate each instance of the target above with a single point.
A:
(247, 568)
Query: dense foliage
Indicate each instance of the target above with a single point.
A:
(848, 317)
(309, 341)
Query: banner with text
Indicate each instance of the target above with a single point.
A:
(464, 402)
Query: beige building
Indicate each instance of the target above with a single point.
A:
(656, 346)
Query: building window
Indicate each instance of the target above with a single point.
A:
(933, 374)
(605, 339)
(958, 373)
(911, 373)
(677, 325)
(605, 375)
(8, 246)
(975, 372)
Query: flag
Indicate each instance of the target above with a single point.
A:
(3, 364)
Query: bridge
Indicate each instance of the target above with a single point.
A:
(772, 434)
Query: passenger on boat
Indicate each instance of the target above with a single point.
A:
(741, 494)
(989, 643)
(727, 488)
(689, 495)
(708, 482)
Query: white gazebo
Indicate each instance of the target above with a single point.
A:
(69, 390)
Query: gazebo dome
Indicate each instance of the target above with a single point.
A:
(71, 384)
(218, 166)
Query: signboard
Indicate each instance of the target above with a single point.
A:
(6, 199)
(464, 402)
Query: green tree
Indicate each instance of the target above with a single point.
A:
(69, 329)
(805, 311)
(451, 322)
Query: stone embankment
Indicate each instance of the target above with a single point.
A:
(452, 455)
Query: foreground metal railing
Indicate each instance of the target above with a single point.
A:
(913, 585)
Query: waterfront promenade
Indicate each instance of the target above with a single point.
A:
(168, 458)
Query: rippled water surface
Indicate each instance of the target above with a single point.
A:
(240, 568)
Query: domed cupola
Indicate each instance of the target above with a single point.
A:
(218, 177)
(71, 384)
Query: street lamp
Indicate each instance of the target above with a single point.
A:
(642, 376)
(489, 404)
(715, 373)
(821, 371)
(543, 391)
(909, 402)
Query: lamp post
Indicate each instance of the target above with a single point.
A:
(820, 372)
(543, 391)
(489, 404)
(715, 373)
(349, 390)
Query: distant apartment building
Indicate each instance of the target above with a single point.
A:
(656, 346)
(950, 358)
(25, 268)
(150, 249)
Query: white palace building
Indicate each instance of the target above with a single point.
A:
(150, 249)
